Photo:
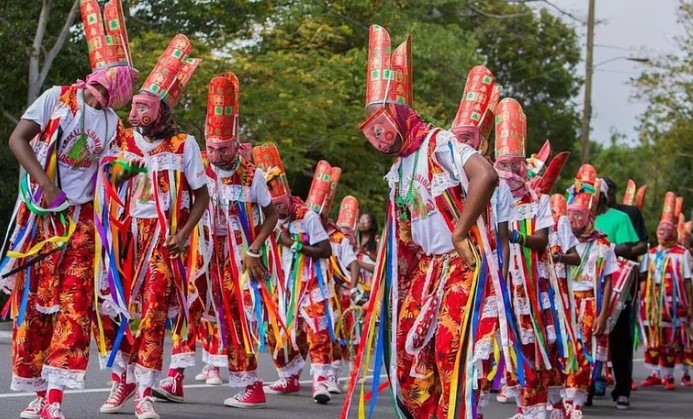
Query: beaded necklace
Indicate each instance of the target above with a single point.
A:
(403, 201)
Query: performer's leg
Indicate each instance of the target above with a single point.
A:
(448, 341)
(416, 372)
(146, 359)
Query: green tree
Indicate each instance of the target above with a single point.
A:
(666, 126)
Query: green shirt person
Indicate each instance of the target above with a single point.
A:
(617, 227)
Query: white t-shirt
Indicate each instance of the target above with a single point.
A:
(428, 226)
(502, 203)
(189, 163)
(310, 225)
(344, 252)
(585, 281)
(77, 157)
(224, 195)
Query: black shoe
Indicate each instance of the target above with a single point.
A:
(622, 403)
(588, 402)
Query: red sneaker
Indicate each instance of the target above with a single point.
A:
(33, 411)
(52, 411)
(252, 397)
(284, 386)
(144, 408)
(669, 383)
(120, 393)
(171, 389)
(686, 381)
(652, 380)
(321, 394)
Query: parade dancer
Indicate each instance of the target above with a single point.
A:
(472, 126)
(439, 188)
(159, 211)
(527, 265)
(343, 265)
(666, 300)
(49, 252)
(591, 289)
(305, 298)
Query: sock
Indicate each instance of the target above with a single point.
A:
(117, 369)
(115, 377)
(41, 394)
(144, 391)
(579, 399)
(555, 397)
(55, 394)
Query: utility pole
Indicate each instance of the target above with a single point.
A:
(587, 106)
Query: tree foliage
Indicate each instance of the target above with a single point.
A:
(666, 126)
(302, 64)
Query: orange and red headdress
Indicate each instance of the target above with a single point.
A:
(323, 188)
(475, 115)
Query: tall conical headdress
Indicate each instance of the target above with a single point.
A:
(222, 109)
(389, 77)
(172, 72)
(108, 44)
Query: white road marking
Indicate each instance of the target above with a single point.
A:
(106, 390)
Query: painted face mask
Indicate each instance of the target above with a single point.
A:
(380, 129)
(145, 111)
(283, 206)
(666, 233)
(469, 135)
(579, 217)
(514, 171)
(223, 154)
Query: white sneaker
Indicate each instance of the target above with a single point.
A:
(503, 396)
(144, 408)
(204, 374)
(213, 377)
(33, 411)
(320, 393)
(333, 385)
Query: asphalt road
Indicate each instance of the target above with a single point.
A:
(202, 401)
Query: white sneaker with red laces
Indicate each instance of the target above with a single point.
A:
(144, 408)
(252, 397)
(121, 392)
(204, 374)
(284, 386)
(213, 377)
(320, 392)
(171, 389)
(33, 411)
(52, 411)
(333, 385)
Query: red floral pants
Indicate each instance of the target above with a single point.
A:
(52, 343)
(425, 377)
(312, 339)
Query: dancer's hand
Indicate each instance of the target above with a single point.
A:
(50, 193)
(135, 164)
(285, 239)
(599, 325)
(254, 265)
(176, 244)
(464, 249)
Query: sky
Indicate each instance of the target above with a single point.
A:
(625, 28)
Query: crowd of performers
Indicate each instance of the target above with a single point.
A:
(478, 275)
